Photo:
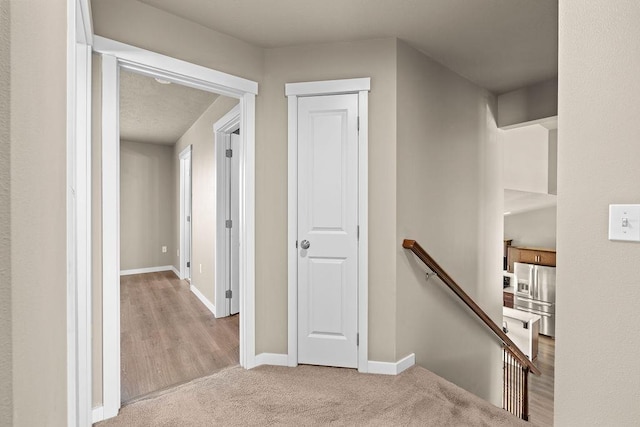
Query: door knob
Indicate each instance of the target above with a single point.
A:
(305, 244)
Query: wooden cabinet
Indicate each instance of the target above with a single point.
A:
(530, 256)
(505, 246)
(507, 299)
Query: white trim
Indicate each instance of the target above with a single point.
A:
(247, 230)
(363, 221)
(110, 238)
(174, 70)
(203, 299)
(541, 121)
(391, 368)
(230, 122)
(327, 87)
(97, 414)
(176, 272)
(273, 359)
(293, 90)
(84, 24)
(147, 270)
(222, 129)
(292, 233)
(155, 65)
(185, 155)
(78, 214)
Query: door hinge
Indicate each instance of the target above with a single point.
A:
(296, 244)
(228, 293)
(188, 264)
(358, 122)
(358, 232)
(189, 218)
(358, 339)
(229, 152)
(228, 223)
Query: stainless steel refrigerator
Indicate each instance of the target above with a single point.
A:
(536, 293)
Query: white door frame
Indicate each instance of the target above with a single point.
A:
(185, 155)
(78, 201)
(330, 87)
(222, 130)
(116, 55)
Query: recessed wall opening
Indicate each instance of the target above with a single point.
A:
(529, 258)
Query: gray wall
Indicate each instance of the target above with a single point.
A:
(146, 205)
(597, 378)
(371, 58)
(38, 212)
(5, 217)
(378, 59)
(203, 190)
(532, 229)
(145, 26)
(448, 199)
(553, 161)
(535, 102)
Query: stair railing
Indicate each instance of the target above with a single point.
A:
(517, 365)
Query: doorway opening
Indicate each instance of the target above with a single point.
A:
(115, 58)
(169, 335)
(529, 221)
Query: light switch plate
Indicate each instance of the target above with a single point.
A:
(624, 222)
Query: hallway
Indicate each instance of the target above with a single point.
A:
(168, 336)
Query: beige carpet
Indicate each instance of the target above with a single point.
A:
(311, 395)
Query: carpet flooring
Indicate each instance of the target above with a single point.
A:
(312, 395)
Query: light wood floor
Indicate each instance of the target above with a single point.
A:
(541, 387)
(168, 336)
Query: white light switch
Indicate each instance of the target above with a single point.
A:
(624, 222)
(164, 249)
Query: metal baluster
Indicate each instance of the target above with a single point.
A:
(519, 391)
(504, 385)
(508, 371)
(513, 380)
(525, 410)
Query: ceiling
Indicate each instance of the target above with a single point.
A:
(158, 113)
(500, 45)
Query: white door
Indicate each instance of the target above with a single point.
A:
(186, 220)
(327, 230)
(233, 235)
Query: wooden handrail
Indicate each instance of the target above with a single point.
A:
(447, 280)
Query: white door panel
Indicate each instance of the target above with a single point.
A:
(327, 219)
(234, 214)
(187, 216)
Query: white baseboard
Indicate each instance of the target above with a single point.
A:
(175, 270)
(391, 368)
(203, 299)
(274, 359)
(146, 270)
(97, 414)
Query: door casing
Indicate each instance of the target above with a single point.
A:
(116, 56)
(293, 91)
(185, 210)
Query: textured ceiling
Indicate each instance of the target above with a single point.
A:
(498, 44)
(155, 113)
